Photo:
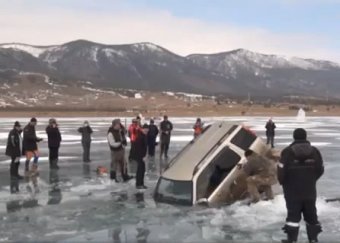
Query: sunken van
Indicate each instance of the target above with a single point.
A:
(206, 170)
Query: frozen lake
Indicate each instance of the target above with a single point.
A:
(76, 205)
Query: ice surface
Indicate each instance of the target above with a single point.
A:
(75, 205)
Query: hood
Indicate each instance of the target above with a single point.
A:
(302, 149)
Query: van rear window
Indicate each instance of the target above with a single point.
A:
(243, 139)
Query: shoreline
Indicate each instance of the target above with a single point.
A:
(180, 110)
(74, 114)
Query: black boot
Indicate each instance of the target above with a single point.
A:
(54, 164)
(292, 234)
(113, 175)
(14, 184)
(312, 232)
(126, 177)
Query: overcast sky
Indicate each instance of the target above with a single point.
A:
(305, 28)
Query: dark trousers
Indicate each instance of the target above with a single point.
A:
(14, 167)
(132, 150)
(140, 172)
(151, 146)
(14, 173)
(86, 151)
(164, 148)
(270, 140)
(54, 153)
(305, 207)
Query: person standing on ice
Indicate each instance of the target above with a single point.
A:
(54, 140)
(30, 145)
(152, 136)
(300, 167)
(117, 142)
(270, 132)
(86, 140)
(166, 128)
(14, 150)
(139, 154)
(198, 127)
(132, 133)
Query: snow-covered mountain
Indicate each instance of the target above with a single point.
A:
(150, 67)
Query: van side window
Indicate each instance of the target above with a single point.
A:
(215, 172)
(243, 139)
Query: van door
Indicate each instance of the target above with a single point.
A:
(215, 172)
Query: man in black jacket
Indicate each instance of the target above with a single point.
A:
(54, 139)
(30, 145)
(300, 167)
(270, 132)
(139, 154)
(86, 140)
(13, 150)
(117, 142)
(152, 136)
(166, 128)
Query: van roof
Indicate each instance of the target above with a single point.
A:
(182, 166)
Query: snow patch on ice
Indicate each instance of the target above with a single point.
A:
(55, 233)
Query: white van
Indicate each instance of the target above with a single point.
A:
(205, 169)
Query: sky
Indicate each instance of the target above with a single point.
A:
(303, 28)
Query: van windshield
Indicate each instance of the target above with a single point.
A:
(172, 191)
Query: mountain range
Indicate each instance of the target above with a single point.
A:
(146, 66)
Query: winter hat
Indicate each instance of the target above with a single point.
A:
(116, 121)
(300, 134)
(33, 119)
(52, 121)
(17, 124)
(146, 126)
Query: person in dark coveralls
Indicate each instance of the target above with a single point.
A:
(117, 142)
(270, 132)
(54, 140)
(152, 136)
(139, 154)
(86, 139)
(300, 167)
(30, 145)
(13, 150)
(166, 128)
